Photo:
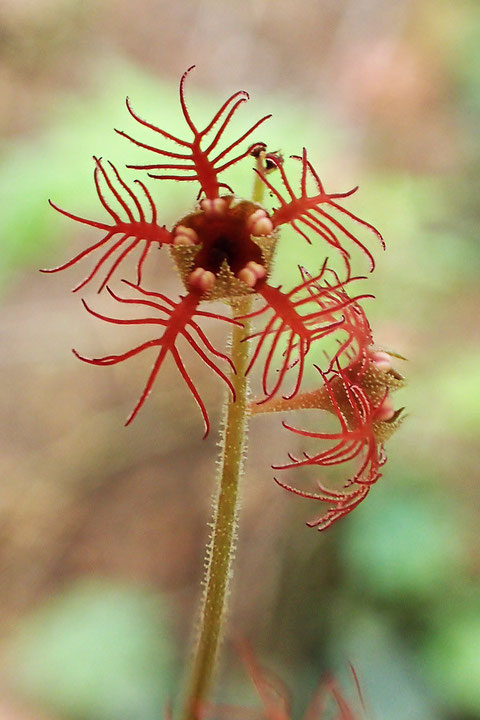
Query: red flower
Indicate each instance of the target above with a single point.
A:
(223, 250)
(359, 397)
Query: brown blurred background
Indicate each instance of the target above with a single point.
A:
(103, 528)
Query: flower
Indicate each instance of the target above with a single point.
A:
(359, 397)
(223, 250)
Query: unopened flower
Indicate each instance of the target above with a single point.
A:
(360, 398)
(223, 250)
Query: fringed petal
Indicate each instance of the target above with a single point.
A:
(319, 213)
(297, 321)
(196, 164)
(178, 321)
(128, 233)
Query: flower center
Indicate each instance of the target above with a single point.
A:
(222, 229)
(225, 238)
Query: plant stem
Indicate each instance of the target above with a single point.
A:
(221, 548)
(222, 543)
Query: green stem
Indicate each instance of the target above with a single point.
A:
(222, 543)
(221, 548)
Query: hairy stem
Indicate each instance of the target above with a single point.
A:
(222, 543)
(221, 548)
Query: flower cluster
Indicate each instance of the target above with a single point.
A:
(223, 250)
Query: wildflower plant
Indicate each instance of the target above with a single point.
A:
(223, 250)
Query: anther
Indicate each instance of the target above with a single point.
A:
(381, 360)
(257, 268)
(202, 279)
(385, 411)
(259, 223)
(247, 276)
(215, 206)
(251, 273)
(185, 236)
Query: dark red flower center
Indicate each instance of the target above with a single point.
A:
(224, 237)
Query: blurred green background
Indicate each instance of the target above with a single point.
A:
(103, 528)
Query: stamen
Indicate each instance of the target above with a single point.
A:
(386, 410)
(251, 273)
(381, 360)
(202, 279)
(259, 270)
(185, 236)
(247, 276)
(259, 223)
(215, 206)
